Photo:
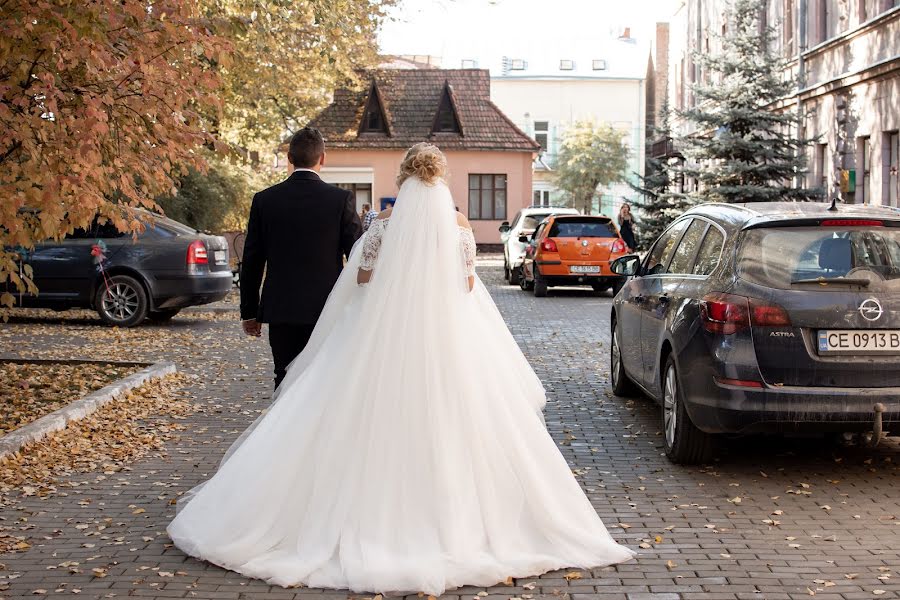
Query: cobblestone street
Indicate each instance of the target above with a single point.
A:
(768, 519)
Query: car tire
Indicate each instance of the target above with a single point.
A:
(526, 285)
(684, 443)
(540, 286)
(163, 315)
(619, 381)
(515, 276)
(122, 301)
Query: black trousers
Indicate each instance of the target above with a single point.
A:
(287, 341)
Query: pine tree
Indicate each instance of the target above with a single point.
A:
(660, 204)
(743, 149)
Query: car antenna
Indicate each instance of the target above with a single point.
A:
(833, 207)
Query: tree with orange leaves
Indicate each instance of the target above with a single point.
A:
(100, 103)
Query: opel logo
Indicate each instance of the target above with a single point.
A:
(584, 242)
(871, 309)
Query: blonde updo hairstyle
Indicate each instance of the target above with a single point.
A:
(424, 161)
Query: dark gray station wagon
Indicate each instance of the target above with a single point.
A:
(168, 267)
(764, 317)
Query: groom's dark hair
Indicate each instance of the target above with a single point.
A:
(306, 148)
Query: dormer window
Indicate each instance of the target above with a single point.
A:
(517, 64)
(374, 119)
(566, 65)
(446, 120)
(599, 64)
(468, 63)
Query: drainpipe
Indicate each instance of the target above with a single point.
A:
(803, 12)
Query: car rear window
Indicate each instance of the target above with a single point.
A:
(789, 257)
(532, 221)
(602, 228)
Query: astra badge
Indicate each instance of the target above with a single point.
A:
(584, 242)
(871, 309)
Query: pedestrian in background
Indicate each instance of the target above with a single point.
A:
(368, 215)
(626, 226)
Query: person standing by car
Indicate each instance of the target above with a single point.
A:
(298, 276)
(368, 215)
(626, 226)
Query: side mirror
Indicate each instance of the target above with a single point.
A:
(504, 227)
(524, 239)
(626, 265)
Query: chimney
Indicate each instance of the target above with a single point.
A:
(626, 34)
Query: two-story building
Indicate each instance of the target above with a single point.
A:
(544, 90)
(846, 56)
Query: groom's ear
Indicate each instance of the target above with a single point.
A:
(322, 159)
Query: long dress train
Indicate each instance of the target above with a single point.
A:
(405, 450)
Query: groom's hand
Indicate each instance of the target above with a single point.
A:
(252, 327)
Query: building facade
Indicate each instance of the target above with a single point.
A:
(544, 91)
(846, 56)
(367, 132)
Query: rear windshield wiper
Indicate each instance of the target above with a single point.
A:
(839, 280)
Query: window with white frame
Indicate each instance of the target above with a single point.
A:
(566, 65)
(599, 64)
(517, 64)
(540, 198)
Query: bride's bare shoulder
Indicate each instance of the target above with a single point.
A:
(386, 213)
(462, 220)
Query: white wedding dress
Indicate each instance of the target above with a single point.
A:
(406, 450)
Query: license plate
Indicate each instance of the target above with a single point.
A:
(584, 269)
(221, 256)
(855, 341)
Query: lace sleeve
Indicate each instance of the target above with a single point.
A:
(467, 244)
(372, 244)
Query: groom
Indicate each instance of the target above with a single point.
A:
(298, 233)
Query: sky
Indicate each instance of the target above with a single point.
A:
(486, 30)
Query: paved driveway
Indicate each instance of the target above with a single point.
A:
(769, 519)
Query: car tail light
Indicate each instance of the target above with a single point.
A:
(619, 246)
(727, 313)
(197, 254)
(549, 245)
(768, 315)
(851, 223)
(739, 382)
(724, 313)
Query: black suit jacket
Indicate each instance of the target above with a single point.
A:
(298, 234)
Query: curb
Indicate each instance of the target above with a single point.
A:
(13, 441)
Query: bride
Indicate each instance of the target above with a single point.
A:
(404, 453)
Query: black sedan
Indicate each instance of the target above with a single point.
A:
(168, 267)
(766, 317)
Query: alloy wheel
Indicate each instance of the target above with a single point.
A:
(670, 406)
(120, 302)
(616, 358)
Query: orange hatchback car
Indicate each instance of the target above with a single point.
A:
(572, 250)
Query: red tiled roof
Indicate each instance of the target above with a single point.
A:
(410, 98)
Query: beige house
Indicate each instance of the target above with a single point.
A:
(368, 131)
(544, 90)
(847, 56)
